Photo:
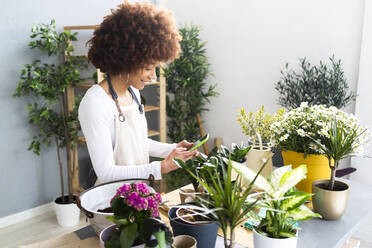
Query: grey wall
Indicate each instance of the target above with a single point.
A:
(26, 180)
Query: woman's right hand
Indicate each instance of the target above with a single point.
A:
(168, 165)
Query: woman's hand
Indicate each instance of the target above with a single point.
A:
(168, 165)
(185, 144)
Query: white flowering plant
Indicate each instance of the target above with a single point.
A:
(303, 129)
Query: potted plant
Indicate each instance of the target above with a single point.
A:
(316, 84)
(47, 83)
(187, 93)
(136, 214)
(283, 206)
(226, 197)
(291, 135)
(257, 127)
(345, 138)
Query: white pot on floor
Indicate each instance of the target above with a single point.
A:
(68, 214)
(260, 241)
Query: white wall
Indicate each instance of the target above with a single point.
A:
(363, 108)
(249, 41)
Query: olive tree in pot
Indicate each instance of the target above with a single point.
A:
(316, 84)
(283, 206)
(47, 83)
(345, 138)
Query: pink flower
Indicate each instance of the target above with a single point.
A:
(124, 190)
(158, 197)
(141, 204)
(141, 188)
(153, 204)
(132, 199)
(155, 213)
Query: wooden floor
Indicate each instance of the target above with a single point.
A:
(45, 226)
(37, 229)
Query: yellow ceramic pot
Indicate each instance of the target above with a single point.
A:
(317, 167)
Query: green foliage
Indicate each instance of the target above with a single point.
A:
(186, 86)
(133, 226)
(283, 204)
(259, 123)
(187, 93)
(322, 84)
(341, 143)
(46, 83)
(227, 198)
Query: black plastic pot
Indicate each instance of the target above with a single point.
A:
(205, 235)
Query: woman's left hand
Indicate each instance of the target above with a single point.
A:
(185, 144)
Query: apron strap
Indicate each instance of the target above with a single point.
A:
(140, 107)
(115, 98)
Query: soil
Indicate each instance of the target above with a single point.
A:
(106, 210)
(336, 187)
(59, 200)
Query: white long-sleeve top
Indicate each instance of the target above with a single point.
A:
(97, 112)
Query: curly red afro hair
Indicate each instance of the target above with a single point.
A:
(133, 36)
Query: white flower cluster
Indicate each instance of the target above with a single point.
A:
(293, 131)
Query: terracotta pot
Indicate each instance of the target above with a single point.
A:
(317, 167)
(260, 241)
(330, 204)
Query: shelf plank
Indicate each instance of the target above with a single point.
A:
(153, 133)
(80, 27)
(149, 108)
(85, 85)
(154, 83)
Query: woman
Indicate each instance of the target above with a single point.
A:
(127, 46)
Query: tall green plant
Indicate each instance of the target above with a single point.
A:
(316, 84)
(47, 83)
(226, 197)
(187, 92)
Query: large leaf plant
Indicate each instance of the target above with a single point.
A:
(282, 204)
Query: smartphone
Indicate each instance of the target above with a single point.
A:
(200, 142)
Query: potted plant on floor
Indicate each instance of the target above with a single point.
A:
(226, 197)
(283, 206)
(136, 220)
(257, 128)
(345, 138)
(47, 82)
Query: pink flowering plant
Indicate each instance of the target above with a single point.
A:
(136, 213)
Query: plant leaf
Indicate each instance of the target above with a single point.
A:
(289, 180)
(128, 235)
(302, 213)
(249, 175)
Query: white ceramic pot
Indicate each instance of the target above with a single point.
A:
(260, 241)
(106, 235)
(67, 214)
